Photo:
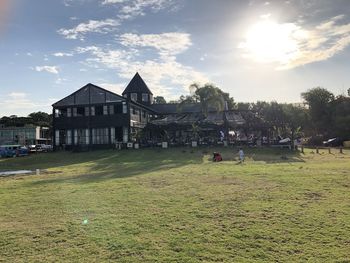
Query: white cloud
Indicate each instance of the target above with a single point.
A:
(136, 8)
(21, 103)
(105, 2)
(164, 75)
(299, 46)
(95, 26)
(167, 43)
(50, 69)
(133, 8)
(62, 54)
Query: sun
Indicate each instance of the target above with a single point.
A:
(268, 41)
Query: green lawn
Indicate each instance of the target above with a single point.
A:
(176, 205)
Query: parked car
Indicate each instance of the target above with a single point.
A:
(285, 141)
(32, 148)
(44, 147)
(13, 151)
(5, 152)
(333, 142)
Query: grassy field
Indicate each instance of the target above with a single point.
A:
(176, 205)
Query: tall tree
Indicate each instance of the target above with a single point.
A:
(209, 96)
(341, 117)
(159, 100)
(320, 110)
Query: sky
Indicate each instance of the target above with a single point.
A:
(255, 50)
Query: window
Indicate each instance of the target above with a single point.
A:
(125, 107)
(105, 110)
(112, 135)
(74, 112)
(111, 109)
(125, 134)
(81, 136)
(118, 108)
(100, 136)
(87, 111)
(98, 110)
(93, 111)
(69, 137)
(133, 96)
(60, 113)
(80, 111)
(145, 97)
(57, 137)
(69, 112)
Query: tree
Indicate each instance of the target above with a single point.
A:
(40, 118)
(320, 110)
(159, 100)
(209, 96)
(296, 119)
(341, 117)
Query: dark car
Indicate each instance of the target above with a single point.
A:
(13, 151)
(333, 142)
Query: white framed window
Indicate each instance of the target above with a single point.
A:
(92, 110)
(87, 112)
(125, 107)
(111, 109)
(57, 137)
(112, 134)
(145, 97)
(75, 137)
(100, 136)
(69, 112)
(69, 137)
(57, 113)
(105, 110)
(125, 134)
(133, 96)
(87, 137)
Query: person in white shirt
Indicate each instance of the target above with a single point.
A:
(241, 155)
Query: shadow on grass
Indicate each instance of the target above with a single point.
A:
(121, 164)
(110, 164)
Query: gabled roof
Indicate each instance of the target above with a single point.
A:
(90, 93)
(137, 85)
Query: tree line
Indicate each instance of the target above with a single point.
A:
(39, 118)
(321, 115)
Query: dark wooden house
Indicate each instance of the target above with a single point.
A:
(93, 117)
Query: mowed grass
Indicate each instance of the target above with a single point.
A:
(175, 205)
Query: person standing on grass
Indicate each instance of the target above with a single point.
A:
(241, 155)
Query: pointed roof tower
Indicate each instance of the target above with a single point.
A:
(137, 85)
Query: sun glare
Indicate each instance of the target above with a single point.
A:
(268, 41)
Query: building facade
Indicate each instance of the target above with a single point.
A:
(93, 117)
(28, 135)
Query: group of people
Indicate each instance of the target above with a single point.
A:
(218, 158)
